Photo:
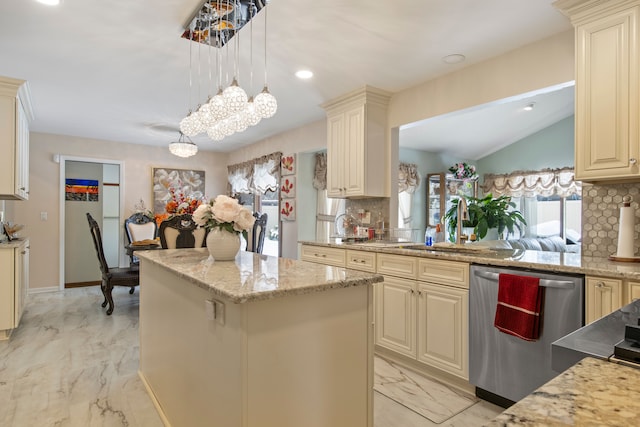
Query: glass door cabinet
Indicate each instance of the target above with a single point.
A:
(442, 189)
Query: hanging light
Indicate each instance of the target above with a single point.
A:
(183, 147)
(265, 103)
(230, 110)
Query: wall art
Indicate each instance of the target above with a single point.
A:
(176, 184)
(288, 187)
(288, 165)
(288, 210)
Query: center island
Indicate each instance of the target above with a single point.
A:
(259, 341)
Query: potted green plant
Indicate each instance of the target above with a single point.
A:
(484, 214)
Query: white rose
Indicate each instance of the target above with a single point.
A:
(201, 214)
(244, 220)
(225, 209)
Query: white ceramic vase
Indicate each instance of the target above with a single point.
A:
(223, 245)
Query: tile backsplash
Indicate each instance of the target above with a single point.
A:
(601, 215)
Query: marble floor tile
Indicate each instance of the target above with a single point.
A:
(427, 397)
(70, 365)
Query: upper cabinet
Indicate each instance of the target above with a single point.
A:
(607, 107)
(15, 115)
(357, 145)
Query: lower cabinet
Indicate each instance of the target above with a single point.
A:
(602, 296)
(425, 320)
(633, 291)
(14, 283)
(443, 328)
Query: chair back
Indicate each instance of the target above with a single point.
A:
(181, 231)
(140, 227)
(97, 243)
(258, 233)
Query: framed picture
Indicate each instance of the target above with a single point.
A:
(288, 187)
(82, 190)
(288, 210)
(288, 165)
(189, 184)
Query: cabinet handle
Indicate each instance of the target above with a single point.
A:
(361, 261)
(23, 252)
(320, 255)
(412, 292)
(602, 287)
(633, 161)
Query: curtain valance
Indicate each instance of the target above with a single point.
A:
(546, 182)
(255, 176)
(408, 178)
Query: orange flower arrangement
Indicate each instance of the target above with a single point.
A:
(181, 204)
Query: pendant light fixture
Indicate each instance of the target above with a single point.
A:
(231, 110)
(183, 147)
(265, 103)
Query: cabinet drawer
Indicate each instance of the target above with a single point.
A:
(361, 260)
(397, 265)
(450, 273)
(323, 255)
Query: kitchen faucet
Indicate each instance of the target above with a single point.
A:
(463, 215)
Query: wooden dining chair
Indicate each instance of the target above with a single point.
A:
(258, 233)
(139, 227)
(111, 277)
(181, 231)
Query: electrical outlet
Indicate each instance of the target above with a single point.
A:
(43, 216)
(214, 311)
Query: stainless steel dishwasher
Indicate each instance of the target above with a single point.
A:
(505, 368)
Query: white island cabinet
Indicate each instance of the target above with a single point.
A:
(259, 341)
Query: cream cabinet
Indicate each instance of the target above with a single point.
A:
(357, 145)
(14, 283)
(395, 315)
(421, 311)
(633, 291)
(361, 260)
(602, 296)
(15, 115)
(443, 327)
(607, 100)
(323, 255)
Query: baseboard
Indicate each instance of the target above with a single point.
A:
(43, 290)
(81, 284)
(154, 399)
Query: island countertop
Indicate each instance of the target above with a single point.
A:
(558, 262)
(254, 277)
(593, 392)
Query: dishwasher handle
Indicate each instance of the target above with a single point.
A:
(547, 283)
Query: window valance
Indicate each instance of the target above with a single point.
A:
(546, 182)
(408, 178)
(255, 176)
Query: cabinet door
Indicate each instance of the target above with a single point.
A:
(443, 328)
(7, 137)
(21, 281)
(603, 296)
(7, 289)
(395, 316)
(335, 156)
(633, 291)
(354, 154)
(606, 117)
(22, 151)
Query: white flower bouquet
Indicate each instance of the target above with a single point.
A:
(225, 213)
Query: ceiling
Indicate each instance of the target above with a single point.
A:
(119, 71)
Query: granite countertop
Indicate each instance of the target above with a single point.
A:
(15, 243)
(254, 277)
(593, 392)
(558, 262)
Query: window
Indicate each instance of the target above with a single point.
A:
(550, 201)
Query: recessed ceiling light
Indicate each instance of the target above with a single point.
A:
(304, 74)
(49, 2)
(453, 59)
(529, 107)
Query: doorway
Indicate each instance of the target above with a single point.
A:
(94, 186)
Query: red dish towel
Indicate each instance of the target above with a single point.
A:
(519, 306)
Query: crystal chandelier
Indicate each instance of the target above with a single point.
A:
(230, 110)
(183, 147)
